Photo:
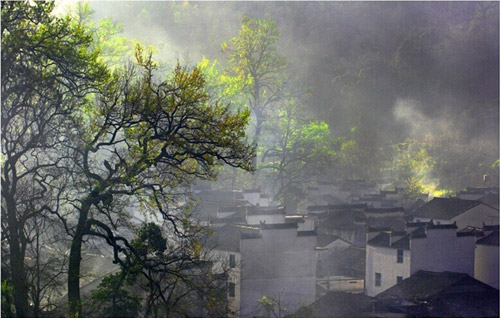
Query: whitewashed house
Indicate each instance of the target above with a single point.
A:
(278, 262)
(486, 259)
(453, 210)
(392, 256)
(254, 197)
(476, 193)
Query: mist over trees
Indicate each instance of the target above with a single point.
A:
(109, 107)
(362, 61)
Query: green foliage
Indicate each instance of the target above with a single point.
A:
(112, 299)
(114, 49)
(296, 152)
(436, 165)
(7, 300)
(48, 68)
(256, 67)
(150, 240)
(253, 54)
(270, 307)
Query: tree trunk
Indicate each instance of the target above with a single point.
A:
(75, 306)
(258, 129)
(18, 273)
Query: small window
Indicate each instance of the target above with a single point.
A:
(232, 260)
(378, 279)
(400, 256)
(232, 289)
(399, 279)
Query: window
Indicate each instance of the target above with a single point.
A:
(399, 279)
(232, 289)
(378, 279)
(400, 256)
(232, 260)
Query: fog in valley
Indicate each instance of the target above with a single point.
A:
(250, 159)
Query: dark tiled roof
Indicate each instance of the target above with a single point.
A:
(374, 195)
(432, 226)
(216, 195)
(325, 239)
(340, 219)
(402, 243)
(226, 238)
(490, 199)
(238, 219)
(294, 219)
(389, 191)
(490, 239)
(416, 224)
(491, 227)
(307, 233)
(330, 199)
(482, 190)
(278, 226)
(338, 304)
(400, 240)
(385, 210)
(424, 285)
(245, 236)
(418, 233)
(330, 207)
(383, 239)
(256, 190)
(378, 229)
(396, 222)
(444, 294)
(444, 208)
(471, 231)
(376, 200)
(254, 210)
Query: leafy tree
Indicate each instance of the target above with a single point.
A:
(298, 151)
(7, 302)
(46, 71)
(170, 274)
(271, 307)
(111, 299)
(114, 49)
(255, 62)
(143, 139)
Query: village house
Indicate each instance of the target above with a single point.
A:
(392, 256)
(486, 259)
(350, 222)
(437, 294)
(279, 262)
(476, 193)
(255, 198)
(453, 210)
(340, 265)
(424, 294)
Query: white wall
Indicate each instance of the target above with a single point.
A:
(443, 251)
(340, 283)
(255, 219)
(280, 264)
(252, 197)
(384, 261)
(486, 264)
(476, 216)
